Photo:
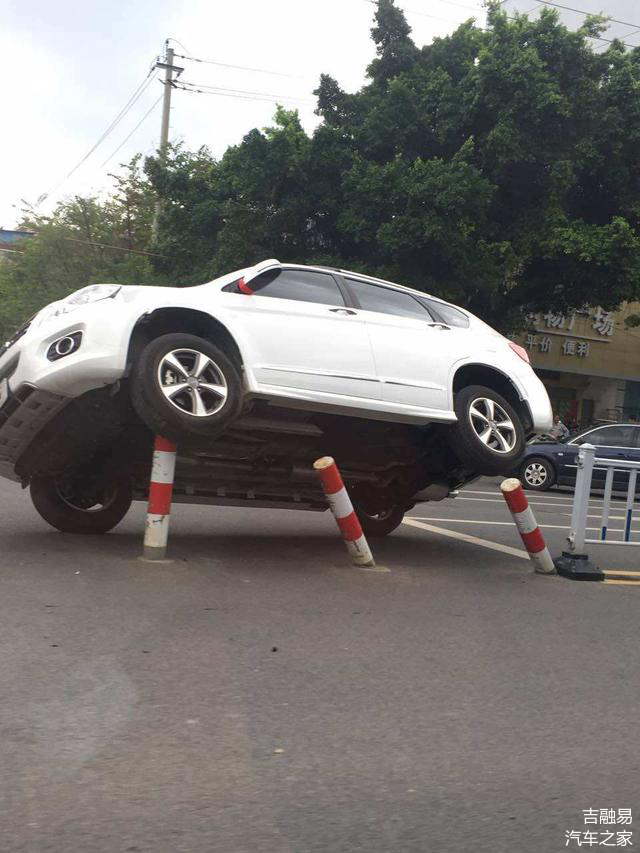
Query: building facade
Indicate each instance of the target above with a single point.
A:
(10, 241)
(589, 362)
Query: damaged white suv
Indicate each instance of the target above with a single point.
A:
(255, 375)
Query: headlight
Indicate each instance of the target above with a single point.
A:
(92, 293)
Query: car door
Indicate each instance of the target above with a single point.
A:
(615, 442)
(302, 335)
(413, 350)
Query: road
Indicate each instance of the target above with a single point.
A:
(259, 694)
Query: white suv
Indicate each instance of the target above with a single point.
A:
(252, 375)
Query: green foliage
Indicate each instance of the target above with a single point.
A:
(72, 248)
(498, 168)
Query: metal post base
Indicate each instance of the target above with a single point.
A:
(152, 552)
(577, 567)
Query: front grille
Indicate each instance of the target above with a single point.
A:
(15, 337)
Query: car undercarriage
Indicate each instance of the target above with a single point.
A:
(263, 459)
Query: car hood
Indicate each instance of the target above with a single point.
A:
(545, 446)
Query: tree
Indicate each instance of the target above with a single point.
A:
(84, 241)
(496, 168)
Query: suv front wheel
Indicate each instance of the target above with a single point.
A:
(78, 505)
(488, 435)
(183, 386)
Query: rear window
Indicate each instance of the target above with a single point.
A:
(611, 436)
(384, 300)
(447, 313)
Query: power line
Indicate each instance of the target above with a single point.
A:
(461, 5)
(417, 12)
(183, 46)
(268, 100)
(238, 67)
(582, 12)
(116, 121)
(241, 94)
(124, 141)
(242, 91)
(108, 246)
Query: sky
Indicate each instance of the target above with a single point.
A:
(71, 65)
(626, 13)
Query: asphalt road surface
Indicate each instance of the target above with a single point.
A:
(260, 694)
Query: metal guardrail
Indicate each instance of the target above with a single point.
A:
(586, 462)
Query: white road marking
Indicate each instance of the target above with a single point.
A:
(464, 537)
(547, 495)
(506, 523)
(553, 497)
(544, 497)
(539, 505)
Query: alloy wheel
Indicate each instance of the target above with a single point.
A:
(492, 425)
(192, 382)
(535, 474)
(85, 498)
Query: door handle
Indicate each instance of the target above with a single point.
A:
(342, 310)
(442, 326)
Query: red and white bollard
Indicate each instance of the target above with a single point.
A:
(527, 525)
(159, 508)
(343, 512)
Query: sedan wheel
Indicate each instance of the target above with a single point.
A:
(537, 474)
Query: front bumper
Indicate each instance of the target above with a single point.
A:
(33, 388)
(21, 418)
(100, 359)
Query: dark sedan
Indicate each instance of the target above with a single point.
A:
(547, 463)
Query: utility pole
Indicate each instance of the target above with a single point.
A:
(169, 68)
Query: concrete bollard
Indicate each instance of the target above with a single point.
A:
(527, 525)
(159, 508)
(343, 512)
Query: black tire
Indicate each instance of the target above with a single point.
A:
(482, 457)
(74, 507)
(537, 474)
(178, 420)
(380, 524)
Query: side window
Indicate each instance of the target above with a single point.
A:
(611, 436)
(447, 313)
(386, 301)
(299, 285)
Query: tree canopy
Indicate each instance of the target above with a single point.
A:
(498, 168)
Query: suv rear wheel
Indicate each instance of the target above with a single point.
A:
(183, 386)
(489, 435)
(380, 523)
